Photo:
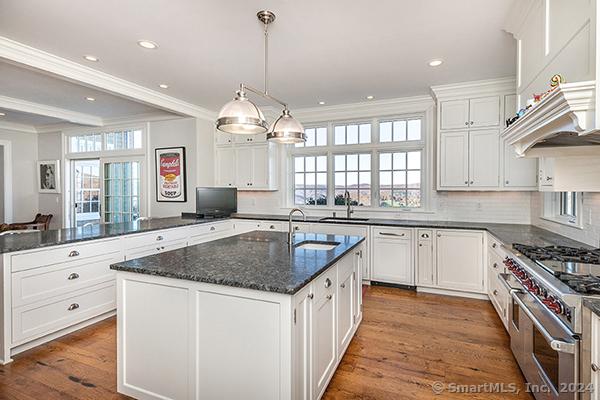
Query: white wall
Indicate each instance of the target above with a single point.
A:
(590, 234)
(49, 148)
(2, 184)
(24, 174)
(197, 137)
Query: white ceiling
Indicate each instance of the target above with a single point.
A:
(338, 51)
(23, 118)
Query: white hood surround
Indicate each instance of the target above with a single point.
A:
(561, 124)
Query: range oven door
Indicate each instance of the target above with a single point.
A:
(546, 350)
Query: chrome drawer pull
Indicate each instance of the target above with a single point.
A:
(73, 306)
(327, 282)
(391, 234)
(74, 275)
(329, 296)
(425, 236)
(73, 253)
(159, 238)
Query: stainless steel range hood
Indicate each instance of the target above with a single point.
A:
(563, 124)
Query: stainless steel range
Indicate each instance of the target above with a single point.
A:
(546, 316)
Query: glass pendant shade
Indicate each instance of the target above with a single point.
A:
(241, 117)
(286, 130)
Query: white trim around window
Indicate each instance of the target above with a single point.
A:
(374, 148)
(565, 208)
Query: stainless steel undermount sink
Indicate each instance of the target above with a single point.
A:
(317, 245)
(343, 219)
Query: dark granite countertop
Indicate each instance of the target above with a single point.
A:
(506, 233)
(592, 304)
(38, 239)
(255, 260)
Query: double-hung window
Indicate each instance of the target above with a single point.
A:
(377, 163)
(563, 207)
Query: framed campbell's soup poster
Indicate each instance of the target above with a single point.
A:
(170, 174)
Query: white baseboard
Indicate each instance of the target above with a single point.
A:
(455, 293)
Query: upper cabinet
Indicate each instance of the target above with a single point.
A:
(470, 113)
(471, 154)
(247, 162)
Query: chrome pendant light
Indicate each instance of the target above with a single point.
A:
(242, 117)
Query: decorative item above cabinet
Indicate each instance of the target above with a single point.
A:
(471, 154)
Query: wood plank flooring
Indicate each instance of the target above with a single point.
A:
(407, 342)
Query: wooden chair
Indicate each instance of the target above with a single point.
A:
(40, 222)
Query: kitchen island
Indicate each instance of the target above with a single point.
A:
(241, 317)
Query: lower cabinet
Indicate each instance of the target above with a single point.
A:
(326, 316)
(392, 256)
(595, 356)
(459, 260)
(451, 260)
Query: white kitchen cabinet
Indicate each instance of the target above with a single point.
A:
(519, 172)
(484, 112)
(359, 259)
(425, 258)
(454, 159)
(484, 163)
(346, 291)
(324, 340)
(250, 139)
(459, 260)
(472, 113)
(392, 256)
(254, 167)
(225, 167)
(223, 139)
(546, 174)
(454, 114)
(302, 349)
(595, 356)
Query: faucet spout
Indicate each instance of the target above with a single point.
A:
(349, 210)
(290, 228)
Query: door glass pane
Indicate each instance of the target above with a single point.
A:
(86, 189)
(122, 190)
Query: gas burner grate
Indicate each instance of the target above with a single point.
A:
(584, 284)
(559, 253)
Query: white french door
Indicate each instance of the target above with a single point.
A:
(107, 190)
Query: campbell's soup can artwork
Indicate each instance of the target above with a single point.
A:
(170, 175)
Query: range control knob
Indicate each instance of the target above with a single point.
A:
(554, 305)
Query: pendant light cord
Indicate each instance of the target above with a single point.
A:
(266, 58)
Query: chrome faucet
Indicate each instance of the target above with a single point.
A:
(291, 229)
(349, 210)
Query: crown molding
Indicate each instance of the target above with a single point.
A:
(474, 88)
(402, 105)
(13, 126)
(69, 70)
(25, 106)
(517, 15)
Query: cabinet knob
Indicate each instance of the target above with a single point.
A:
(471, 122)
(212, 228)
(548, 178)
(343, 285)
(74, 275)
(296, 228)
(73, 306)
(466, 182)
(329, 296)
(310, 295)
(495, 266)
(327, 282)
(470, 183)
(494, 245)
(159, 238)
(595, 367)
(439, 235)
(507, 182)
(425, 235)
(467, 123)
(420, 244)
(73, 253)
(495, 292)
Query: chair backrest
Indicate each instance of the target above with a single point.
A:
(43, 219)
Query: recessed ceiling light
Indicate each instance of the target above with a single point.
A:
(435, 63)
(163, 86)
(90, 99)
(321, 102)
(147, 44)
(370, 97)
(91, 58)
(2, 114)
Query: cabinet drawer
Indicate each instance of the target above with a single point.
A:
(61, 254)
(40, 284)
(392, 233)
(211, 229)
(157, 238)
(39, 319)
(325, 284)
(157, 248)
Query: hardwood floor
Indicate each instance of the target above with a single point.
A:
(406, 343)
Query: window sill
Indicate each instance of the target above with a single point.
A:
(574, 225)
(362, 209)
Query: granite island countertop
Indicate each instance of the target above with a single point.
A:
(592, 304)
(258, 260)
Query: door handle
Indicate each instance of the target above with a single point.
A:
(73, 253)
(327, 282)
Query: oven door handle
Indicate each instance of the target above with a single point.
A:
(556, 344)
